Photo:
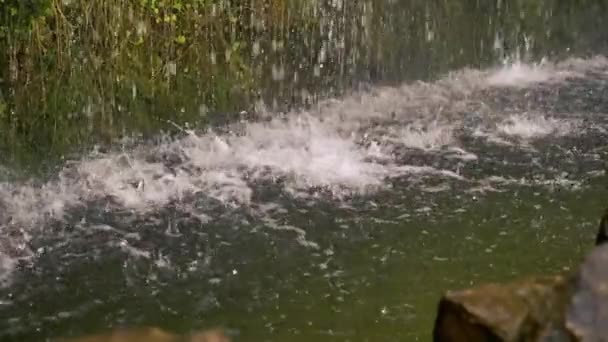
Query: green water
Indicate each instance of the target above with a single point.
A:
(370, 265)
(391, 282)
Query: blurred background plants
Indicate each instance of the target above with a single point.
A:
(78, 72)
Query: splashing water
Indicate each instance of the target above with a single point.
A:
(520, 75)
(344, 147)
(528, 126)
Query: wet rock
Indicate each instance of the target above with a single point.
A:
(602, 233)
(152, 335)
(525, 310)
(587, 315)
(561, 308)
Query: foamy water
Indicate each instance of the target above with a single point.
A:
(426, 137)
(522, 129)
(348, 146)
(522, 75)
(530, 126)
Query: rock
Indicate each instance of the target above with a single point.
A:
(602, 234)
(525, 310)
(561, 308)
(215, 335)
(587, 315)
(152, 335)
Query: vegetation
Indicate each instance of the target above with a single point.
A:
(74, 72)
(113, 65)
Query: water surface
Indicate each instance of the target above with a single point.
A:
(341, 220)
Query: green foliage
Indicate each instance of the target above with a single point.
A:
(16, 16)
(74, 72)
(2, 108)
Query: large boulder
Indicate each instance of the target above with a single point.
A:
(559, 308)
(525, 310)
(587, 315)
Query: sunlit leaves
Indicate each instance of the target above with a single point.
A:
(180, 39)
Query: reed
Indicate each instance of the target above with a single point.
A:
(76, 72)
(111, 65)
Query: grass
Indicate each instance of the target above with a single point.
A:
(77, 72)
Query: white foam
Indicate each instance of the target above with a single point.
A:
(132, 251)
(313, 154)
(437, 188)
(456, 152)
(490, 136)
(303, 151)
(559, 181)
(427, 171)
(521, 75)
(432, 136)
(299, 232)
(13, 249)
(530, 126)
(7, 266)
(518, 74)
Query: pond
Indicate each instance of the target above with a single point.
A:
(315, 171)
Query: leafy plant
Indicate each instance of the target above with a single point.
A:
(17, 15)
